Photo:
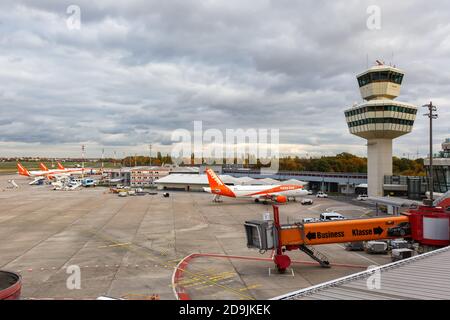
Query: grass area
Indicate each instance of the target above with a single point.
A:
(11, 166)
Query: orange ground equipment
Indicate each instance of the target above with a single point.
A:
(425, 225)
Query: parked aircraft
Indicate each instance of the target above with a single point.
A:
(38, 174)
(278, 193)
(74, 170)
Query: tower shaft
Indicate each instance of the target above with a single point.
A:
(379, 164)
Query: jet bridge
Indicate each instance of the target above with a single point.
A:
(429, 226)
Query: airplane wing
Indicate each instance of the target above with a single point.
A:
(271, 197)
(57, 175)
(36, 180)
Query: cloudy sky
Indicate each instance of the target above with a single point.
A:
(139, 69)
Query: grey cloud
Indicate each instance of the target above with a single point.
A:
(138, 70)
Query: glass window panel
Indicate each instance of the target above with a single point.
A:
(384, 75)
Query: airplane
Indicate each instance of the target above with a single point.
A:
(24, 172)
(277, 193)
(62, 169)
(74, 170)
(39, 175)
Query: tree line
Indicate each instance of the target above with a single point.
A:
(342, 162)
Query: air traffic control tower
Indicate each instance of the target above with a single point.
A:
(379, 120)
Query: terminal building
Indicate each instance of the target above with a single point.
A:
(379, 120)
(145, 176)
(441, 168)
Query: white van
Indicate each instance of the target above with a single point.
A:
(362, 197)
(330, 216)
(321, 194)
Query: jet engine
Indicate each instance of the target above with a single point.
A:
(281, 199)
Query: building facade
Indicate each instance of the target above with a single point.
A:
(146, 176)
(441, 168)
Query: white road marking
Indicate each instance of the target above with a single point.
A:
(313, 207)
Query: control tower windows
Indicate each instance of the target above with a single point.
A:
(377, 76)
(396, 77)
(380, 120)
(364, 80)
(392, 108)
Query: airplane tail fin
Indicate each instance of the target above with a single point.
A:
(43, 167)
(22, 170)
(216, 185)
(60, 166)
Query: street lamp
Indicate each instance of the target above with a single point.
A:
(431, 115)
(83, 149)
(150, 154)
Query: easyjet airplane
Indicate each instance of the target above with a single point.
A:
(62, 169)
(278, 193)
(72, 170)
(38, 173)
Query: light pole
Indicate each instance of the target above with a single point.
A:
(103, 156)
(82, 160)
(431, 115)
(150, 154)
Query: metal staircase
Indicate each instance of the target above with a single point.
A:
(310, 251)
(315, 255)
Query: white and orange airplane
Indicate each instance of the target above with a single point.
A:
(62, 169)
(49, 173)
(34, 173)
(39, 174)
(278, 193)
(73, 170)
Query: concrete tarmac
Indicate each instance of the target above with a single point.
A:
(129, 247)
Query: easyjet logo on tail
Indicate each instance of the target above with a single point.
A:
(22, 170)
(213, 176)
(217, 186)
(43, 166)
(60, 166)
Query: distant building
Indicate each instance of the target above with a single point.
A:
(441, 168)
(189, 182)
(217, 168)
(146, 176)
(122, 175)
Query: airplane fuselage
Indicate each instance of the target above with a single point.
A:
(261, 191)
